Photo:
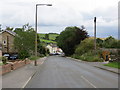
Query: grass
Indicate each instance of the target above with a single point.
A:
(113, 64)
(52, 37)
(1, 63)
(47, 41)
(88, 57)
(33, 58)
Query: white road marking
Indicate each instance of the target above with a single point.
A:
(26, 82)
(42, 62)
(88, 81)
(30, 78)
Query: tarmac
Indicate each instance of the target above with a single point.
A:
(99, 65)
(24, 74)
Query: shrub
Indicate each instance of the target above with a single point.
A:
(23, 54)
(89, 56)
(85, 51)
(111, 42)
(85, 46)
(4, 59)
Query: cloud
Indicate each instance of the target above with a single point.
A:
(16, 13)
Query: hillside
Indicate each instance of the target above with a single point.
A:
(52, 37)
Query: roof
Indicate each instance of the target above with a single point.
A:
(11, 32)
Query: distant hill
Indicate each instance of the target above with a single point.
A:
(52, 37)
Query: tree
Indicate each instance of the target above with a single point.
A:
(69, 38)
(47, 36)
(9, 28)
(85, 46)
(25, 42)
(99, 42)
(110, 42)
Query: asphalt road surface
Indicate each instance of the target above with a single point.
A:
(61, 72)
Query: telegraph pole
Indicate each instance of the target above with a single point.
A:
(95, 34)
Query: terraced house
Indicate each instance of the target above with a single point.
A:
(7, 41)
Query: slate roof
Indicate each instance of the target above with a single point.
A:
(11, 32)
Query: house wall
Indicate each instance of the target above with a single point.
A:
(0, 53)
(8, 43)
(50, 49)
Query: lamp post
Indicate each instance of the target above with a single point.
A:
(95, 34)
(35, 63)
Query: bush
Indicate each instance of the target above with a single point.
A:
(110, 42)
(23, 54)
(85, 51)
(85, 46)
(4, 59)
(89, 56)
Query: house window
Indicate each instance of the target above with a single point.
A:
(4, 42)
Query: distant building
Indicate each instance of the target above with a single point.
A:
(7, 41)
(54, 49)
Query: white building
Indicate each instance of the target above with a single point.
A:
(53, 49)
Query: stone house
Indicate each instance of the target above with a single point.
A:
(7, 41)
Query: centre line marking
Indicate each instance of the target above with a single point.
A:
(88, 81)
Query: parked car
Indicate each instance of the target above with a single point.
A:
(13, 57)
(6, 55)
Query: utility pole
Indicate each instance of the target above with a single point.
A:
(35, 63)
(95, 34)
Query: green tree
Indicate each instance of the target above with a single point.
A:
(9, 28)
(85, 46)
(24, 41)
(99, 42)
(47, 36)
(110, 42)
(69, 38)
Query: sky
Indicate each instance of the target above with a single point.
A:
(62, 14)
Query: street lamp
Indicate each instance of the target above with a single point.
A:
(35, 63)
(95, 34)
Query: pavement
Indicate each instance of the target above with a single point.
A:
(20, 77)
(52, 74)
(99, 65)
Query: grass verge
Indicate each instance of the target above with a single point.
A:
(33, 58)
(113, 64)
(87, 57)
(1, 63)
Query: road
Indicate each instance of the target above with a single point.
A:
(61, 72)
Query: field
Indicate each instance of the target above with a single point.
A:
(52, 37)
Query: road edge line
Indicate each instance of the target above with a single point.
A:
(88, 81)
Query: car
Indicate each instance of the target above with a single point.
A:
(6, 55)
(13, 57)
